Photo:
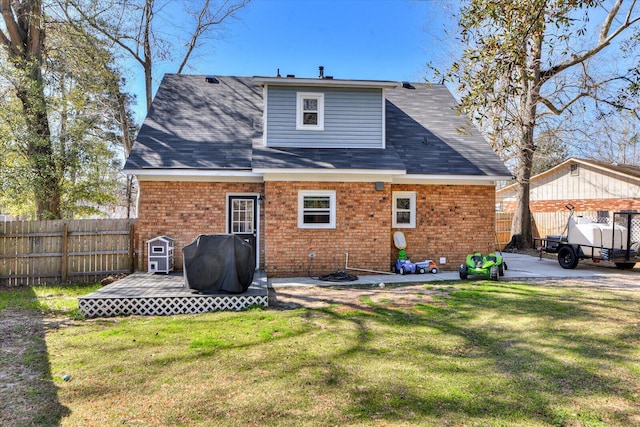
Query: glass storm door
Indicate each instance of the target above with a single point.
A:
(243, 219)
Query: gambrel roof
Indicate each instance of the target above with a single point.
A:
(199, 123)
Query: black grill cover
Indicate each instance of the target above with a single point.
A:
(218, 263)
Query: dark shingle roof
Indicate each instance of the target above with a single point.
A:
(325, 158)
(193, 124)
(218, 126)
(432, 138)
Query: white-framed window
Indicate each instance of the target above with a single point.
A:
(404, 209)
(310, 111)
(316, 209)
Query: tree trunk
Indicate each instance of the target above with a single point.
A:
(24, 25)
(521, 230)
(41, 156)
(124, 120)
(148, 58)
(148, 83)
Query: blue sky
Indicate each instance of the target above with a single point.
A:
(352, 39)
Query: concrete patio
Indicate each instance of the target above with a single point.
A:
(519, 267)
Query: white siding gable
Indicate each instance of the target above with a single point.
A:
(589, 183)
(352, 118)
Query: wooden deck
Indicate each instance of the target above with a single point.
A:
(166, 294)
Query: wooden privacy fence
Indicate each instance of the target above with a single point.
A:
(503, 228)
(62, 251)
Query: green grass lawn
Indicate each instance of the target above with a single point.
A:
(479, 353)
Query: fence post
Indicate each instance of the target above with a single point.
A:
(65, 252)
(132, 246)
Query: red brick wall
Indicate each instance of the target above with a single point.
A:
(451, 221)
(613, 205)
(585, 205)
(184, 210)
(363, 223)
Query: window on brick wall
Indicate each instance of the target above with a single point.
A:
(404, 209)
(316, 209)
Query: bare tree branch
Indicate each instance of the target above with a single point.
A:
(557, 111)
(205, 21)
(615, 105)
(4, 40)
(143, 39)
(36, 30)
(15, 34)
(146, 43)
(604, 40)
(104, 31)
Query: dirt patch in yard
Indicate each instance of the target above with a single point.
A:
(613, 281)
(407, 296)
(27, 390)
(356, 297)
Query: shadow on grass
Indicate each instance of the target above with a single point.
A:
(481, 354)
(28, 393)
(522, 373)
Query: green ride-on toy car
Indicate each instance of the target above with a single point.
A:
(490, 265)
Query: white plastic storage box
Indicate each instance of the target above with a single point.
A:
(160, 253)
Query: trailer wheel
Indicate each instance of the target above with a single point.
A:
(625, 265)
(422, 270)
(567, 257)
(501, 270)
(402, 271)
(464, 272)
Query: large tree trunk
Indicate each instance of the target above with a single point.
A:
(25, 28)
(41, 157)
(521, 230)
(40, 153)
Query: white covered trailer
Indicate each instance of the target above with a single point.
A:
(618, 241)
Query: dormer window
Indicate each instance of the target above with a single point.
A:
(310, 111)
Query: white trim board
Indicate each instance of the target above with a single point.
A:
(329, 175)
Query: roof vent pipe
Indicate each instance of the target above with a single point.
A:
(321, 68)
(278, 74)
